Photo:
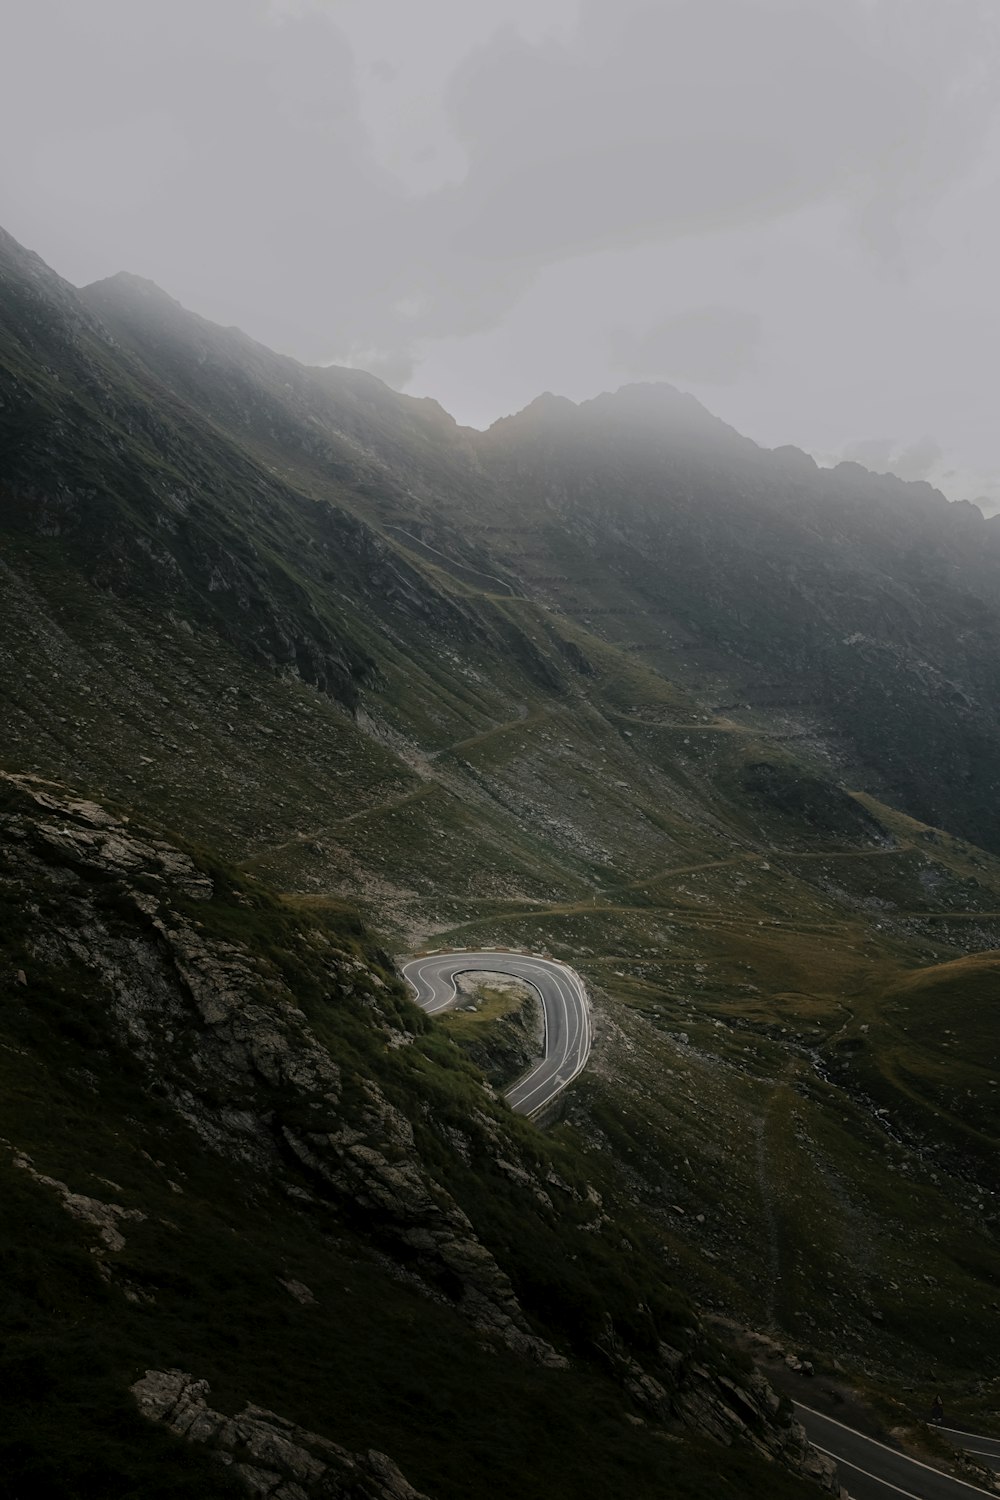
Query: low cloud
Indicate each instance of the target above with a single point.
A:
(873, 453)
(250, 186)
(467, 198)
(705, 345)
(923, 459)
(394, 366)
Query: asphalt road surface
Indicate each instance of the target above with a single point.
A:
(985, 1449)
(564, 1008)
(870, 1470)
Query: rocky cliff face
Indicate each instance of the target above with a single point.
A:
(861, 608)
(499, 1025)
(608, 682)
(237, 1056)
(156, 506)
(222, 1038)
(291, 510)
(271, 1456)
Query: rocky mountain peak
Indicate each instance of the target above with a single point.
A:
(547, 412)
(608, 682)
(658, 406)
(125, 284)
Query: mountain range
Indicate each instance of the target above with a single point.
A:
(300, 677)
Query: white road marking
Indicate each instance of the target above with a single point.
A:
(977, 1437)
(846, 1464)
(566, 1000)
(895, 1451)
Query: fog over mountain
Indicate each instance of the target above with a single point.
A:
(499, 750)
(786, 206)
(303, 684)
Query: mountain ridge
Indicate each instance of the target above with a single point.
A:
(651, 394)
(721, 736)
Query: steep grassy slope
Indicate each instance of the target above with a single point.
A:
(596, 683)
(754, 1076)
(862, 609)
(229, 1146)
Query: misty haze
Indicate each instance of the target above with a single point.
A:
(499, 749)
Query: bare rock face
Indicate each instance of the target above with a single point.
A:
(745, 1411)
(105, 1218)
(275, 1459)
(226, 1043)
(513, 1040)
(222, 1038)
(748, 1412)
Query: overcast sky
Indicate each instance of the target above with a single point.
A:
(789, 207)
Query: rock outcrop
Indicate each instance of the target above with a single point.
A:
(274, 1458)
(505, 1046)
(223, 1038)
(743, 1410)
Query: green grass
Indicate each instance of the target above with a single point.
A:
(580, 776)
(204, 1268)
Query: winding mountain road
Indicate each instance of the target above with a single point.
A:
(564, 1009)
(869, 1470)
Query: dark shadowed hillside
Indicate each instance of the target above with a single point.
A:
(299, 677)
(860, 607)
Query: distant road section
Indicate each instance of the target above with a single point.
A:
(985, 1448)
(870, 1470)
(564, 1008)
